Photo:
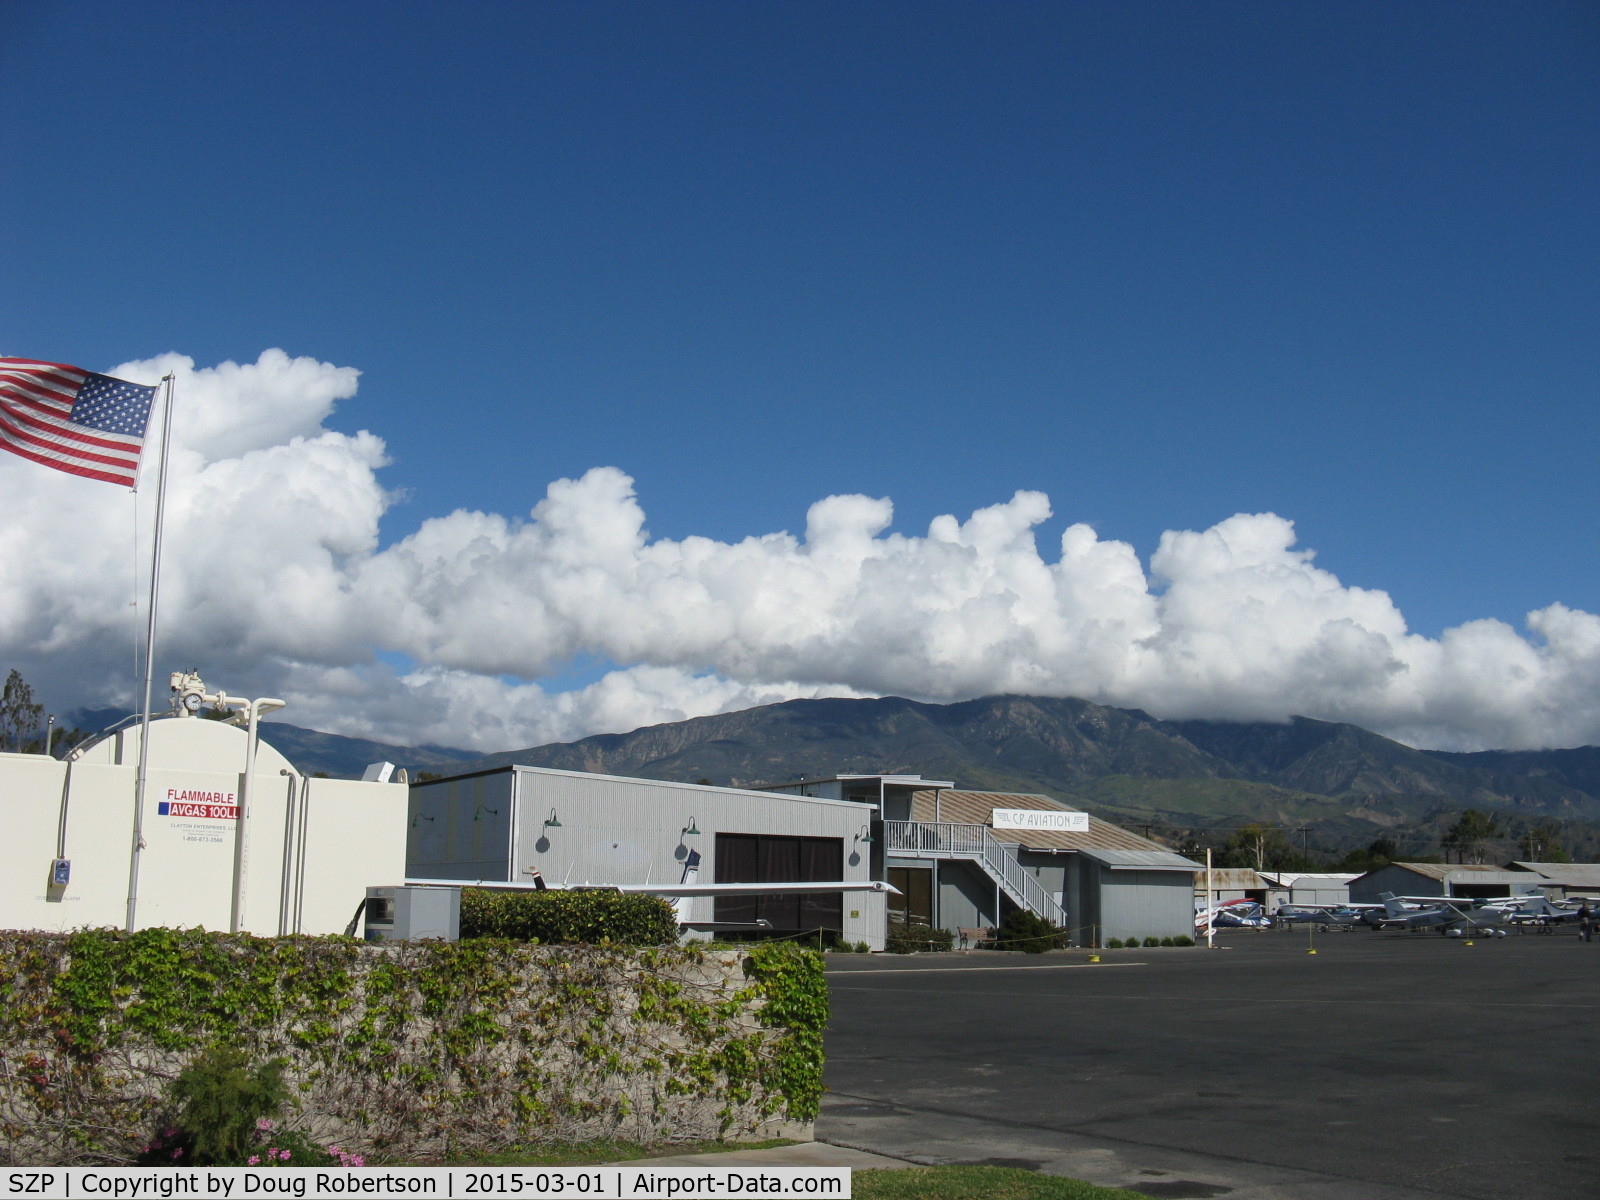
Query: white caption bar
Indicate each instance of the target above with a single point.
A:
(435, 1183)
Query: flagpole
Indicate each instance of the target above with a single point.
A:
(149, 662)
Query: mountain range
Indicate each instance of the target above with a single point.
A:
(1342, 784)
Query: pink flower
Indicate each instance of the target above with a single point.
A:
(263, 1123)
(283, 1154)
(178, 1153)
(253, 1161)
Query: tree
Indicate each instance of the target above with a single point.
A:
(1264, 847)
(19, 715)
(1380, 854)
(1468, 835)
(1541, 842)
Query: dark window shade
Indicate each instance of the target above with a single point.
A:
(756, 858)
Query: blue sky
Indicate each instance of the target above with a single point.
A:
(1162, 262)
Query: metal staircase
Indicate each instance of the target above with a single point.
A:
(974, 844)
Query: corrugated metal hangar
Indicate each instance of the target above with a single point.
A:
(579, 829)
(1450, 881)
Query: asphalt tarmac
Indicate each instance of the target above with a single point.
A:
(1387, 1066)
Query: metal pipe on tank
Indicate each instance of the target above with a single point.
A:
(286, 880)
(252, 710)
(300, 855)
(66, 801)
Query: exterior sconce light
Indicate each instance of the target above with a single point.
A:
(477, 813)
(551, 822)
(865, 835)
(419, 817)
(689, 830)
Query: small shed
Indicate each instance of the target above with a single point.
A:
(1322, 887)
(1234, 883)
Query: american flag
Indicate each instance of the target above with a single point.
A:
(73, 420)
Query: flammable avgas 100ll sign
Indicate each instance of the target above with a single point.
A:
(193, 802)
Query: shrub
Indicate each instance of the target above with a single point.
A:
(1183, 939)
(1032, 934)
(220, 1102)
(568, 917)
(1150, 941)
(1114, 944)
(1167, 941)
(917, 938)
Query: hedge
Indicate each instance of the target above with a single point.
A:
(568, 917)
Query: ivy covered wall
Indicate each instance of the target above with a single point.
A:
(407, 1050)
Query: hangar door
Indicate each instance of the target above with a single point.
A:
(759, 858)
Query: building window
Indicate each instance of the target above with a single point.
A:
(757, 858)
(914, 905)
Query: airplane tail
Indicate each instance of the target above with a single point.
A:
(1391, 905)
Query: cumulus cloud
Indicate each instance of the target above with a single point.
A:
(275, 580)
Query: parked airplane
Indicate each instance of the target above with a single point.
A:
(1435, 913)
(1544, 915)
(1326, 917)
(1233, 914)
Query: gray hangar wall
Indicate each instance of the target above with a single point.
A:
(578, 828)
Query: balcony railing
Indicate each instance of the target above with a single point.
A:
(947, 839)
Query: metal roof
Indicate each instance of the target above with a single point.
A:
(1311, 878)
(976, 808)
(1583, 875)
(916, 781)
(1238, 879)
(1143, 860)
(1443, 871)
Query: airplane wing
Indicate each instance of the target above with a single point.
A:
(754, 889)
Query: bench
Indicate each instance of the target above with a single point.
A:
(974, 937)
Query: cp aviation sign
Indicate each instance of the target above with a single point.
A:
(1035, 818)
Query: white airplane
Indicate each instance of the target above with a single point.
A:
(1405, 912)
